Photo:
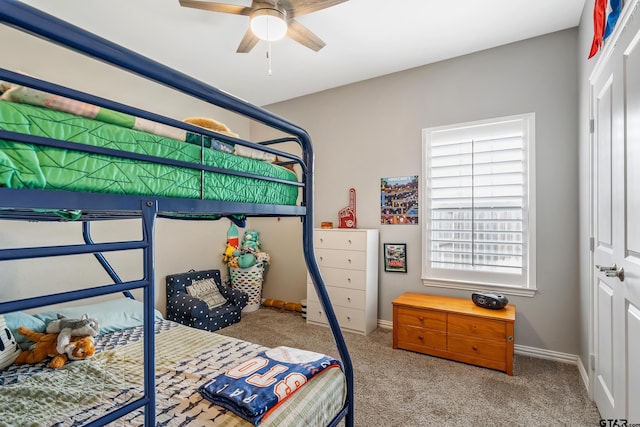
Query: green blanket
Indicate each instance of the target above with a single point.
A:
(40, 167)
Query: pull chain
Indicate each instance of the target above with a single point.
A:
(269, 59)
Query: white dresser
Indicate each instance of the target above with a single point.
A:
(348, 261)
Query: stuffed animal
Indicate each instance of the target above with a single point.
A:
(211, 124)
(46, 346)
(251, 241)
(228, 253)
(67, 328)
(279, 304)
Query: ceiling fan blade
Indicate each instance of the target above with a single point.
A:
(216, 7)
(304, 36)
(248, 42)
(297, 8)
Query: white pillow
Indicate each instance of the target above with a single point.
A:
(112, 315)
(208, 291)
(9, 348)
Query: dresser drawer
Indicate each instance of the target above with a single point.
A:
(477, 327)
(350, 318)
(349, 298)
(355, 241)
(422, 337)
(490, 350)
(434, 320)
(353, 260)
(343, 278)
(340, 296)
(347, 318)
(315, 313)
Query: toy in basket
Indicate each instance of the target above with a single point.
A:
(246, 267)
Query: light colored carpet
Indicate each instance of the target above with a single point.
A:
(402, 388)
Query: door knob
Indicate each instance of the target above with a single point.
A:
(619, 273)
(604, 268)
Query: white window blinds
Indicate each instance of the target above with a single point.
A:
(478, 202)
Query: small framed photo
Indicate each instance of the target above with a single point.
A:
(395, 257)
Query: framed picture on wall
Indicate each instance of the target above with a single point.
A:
(395, 257)
(399, 200)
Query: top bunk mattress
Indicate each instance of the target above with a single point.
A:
(35, 166)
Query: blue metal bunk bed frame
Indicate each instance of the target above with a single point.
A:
(23, 204)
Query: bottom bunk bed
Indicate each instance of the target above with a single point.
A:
(186, 359)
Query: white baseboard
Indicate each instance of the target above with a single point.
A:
(545, 354)
(385, 324)
(572, 359)
(583, 374)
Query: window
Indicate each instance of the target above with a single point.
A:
(479, 212)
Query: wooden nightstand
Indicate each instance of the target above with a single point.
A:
(456, 329)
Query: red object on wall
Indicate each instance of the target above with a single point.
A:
(599, 21)
(347, 216)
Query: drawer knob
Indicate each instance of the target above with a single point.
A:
(420, 318)
(321, 258)
(349, 299)
(348, 279)
(321, 240)
(349, 241)
(349, 260)
(420, 337)
(349, 318)
(475, 348)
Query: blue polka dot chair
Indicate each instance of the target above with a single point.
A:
(194, 312)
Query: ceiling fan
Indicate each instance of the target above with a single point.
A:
(271, 19)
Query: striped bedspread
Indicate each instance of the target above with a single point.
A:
(185, 359)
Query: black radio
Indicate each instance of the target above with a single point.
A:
(489, 300)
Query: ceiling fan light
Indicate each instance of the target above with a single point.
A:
(269, 24)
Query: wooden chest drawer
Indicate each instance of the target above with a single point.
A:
(422, 318)
(485, 349)
(476, 327)
(411, 335)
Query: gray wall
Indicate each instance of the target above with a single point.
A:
(372, 129)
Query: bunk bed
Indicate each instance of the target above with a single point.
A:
(40, 192)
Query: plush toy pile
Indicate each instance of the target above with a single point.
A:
(248, 253)
(65, 339)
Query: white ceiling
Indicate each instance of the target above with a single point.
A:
(365, 38)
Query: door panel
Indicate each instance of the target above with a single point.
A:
(603, 168)
(632, 146)
(604, 346)
(633, 339)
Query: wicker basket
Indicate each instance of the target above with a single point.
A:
(249, 280)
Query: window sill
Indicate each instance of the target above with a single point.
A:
(507, 290)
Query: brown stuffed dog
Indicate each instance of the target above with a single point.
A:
(45, 346)
(211, 124)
